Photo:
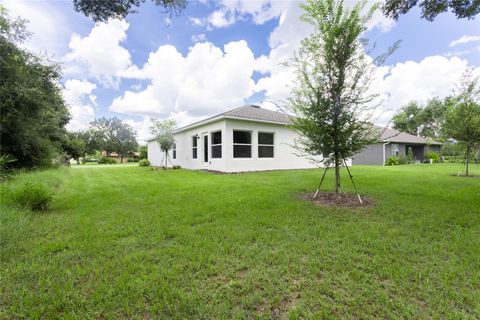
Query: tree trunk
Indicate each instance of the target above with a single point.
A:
(166, 159)
(337, 174)
(121, 159)
(78, 160)
(466, 160)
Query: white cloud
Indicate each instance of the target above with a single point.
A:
(50, 30)
(100, 53)
(221, 18)
(79, 98)
(206, 81)
(196, 21)
(201, 37)
(464, 39)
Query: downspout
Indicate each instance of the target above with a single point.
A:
(383, 164)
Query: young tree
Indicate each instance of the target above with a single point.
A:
(163, 132)
(431, 8)
(333, 75)
(462, 121)
(115, 136)
(33, 113)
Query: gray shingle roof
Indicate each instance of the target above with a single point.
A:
(256, 113)
(392, 135)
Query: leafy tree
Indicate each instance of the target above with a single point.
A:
(333, 75)
(33, 114)
(431, 8)
(425, 121)
(163, 132)
(115, 136)
(143, 151)
(104, 10)
(462, 121)
(74, 146)
(408, 120)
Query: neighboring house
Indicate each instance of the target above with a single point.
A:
(395, 143)
(247, 138)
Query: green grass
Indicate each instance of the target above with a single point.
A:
(134, 243)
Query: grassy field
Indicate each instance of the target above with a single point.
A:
(134, 243)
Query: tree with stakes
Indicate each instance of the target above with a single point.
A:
(333, 73)
(163, 132)
(462, 120)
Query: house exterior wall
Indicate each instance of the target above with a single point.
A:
(284, 154)
(371, 155)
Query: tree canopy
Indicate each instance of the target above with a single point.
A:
(333, 74)
(104, 10)
(33, 113)
(115, 136)
(425, 121)
(431, 8)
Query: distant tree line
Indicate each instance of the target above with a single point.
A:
(454, 120)
(33, 113)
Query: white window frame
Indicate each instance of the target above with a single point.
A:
(217, 144)
(265, 145)
(195, 147)
(242, 144)
(395, 151)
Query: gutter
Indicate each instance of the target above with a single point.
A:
(383, 155)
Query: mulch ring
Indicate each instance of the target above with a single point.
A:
(348, 200)
(464, 176)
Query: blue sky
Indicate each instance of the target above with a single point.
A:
(216, 56)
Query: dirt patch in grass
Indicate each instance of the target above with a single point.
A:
(348, 200)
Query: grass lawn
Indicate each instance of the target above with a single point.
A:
(134, 243)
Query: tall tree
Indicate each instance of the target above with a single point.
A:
(33, 114)
(408, 119)
(115, 136)
(333, 75)
(102, 10)
(462, 121)
(163, 132)
(431, 8)
(425, 121)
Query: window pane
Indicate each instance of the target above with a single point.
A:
(194, 141)
(242, 137)
(265, 151)
(217, 137)
(241, 151)
(216, 151)
(265, 138)
(194, 155)
(174, 154)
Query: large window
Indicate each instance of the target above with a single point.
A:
(217, 144)
(194, 147)
(395, 150)
(174, 151)
(265, 145)
(242, 144)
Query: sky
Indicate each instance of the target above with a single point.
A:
(219, 55)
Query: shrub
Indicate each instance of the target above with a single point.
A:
(32, 196)
(6, 172)
(432, 155)
(106, 160)
(402, 159)
(176, 167)
(392, 161)
(144, 163)
(410, 156)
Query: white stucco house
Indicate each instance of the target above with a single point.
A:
(247, 138)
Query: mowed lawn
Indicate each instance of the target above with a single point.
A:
(132, 243)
